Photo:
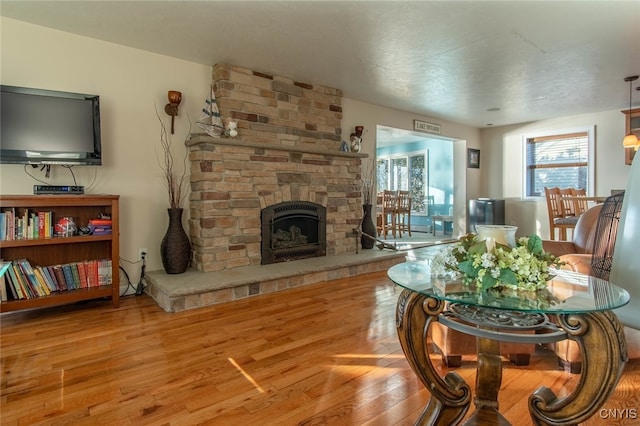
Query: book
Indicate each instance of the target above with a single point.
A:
(32, 230)
(3, 288)
(21, 282)
(76, 275)
(15, 288)
(82, 272)
(3, 226)
(42, 280)
(53, 285)
(10, 223)
(18, 227)
(104, 272)
(11, 291)
(48, 224)
(31, 278)
(59, 273)
(68, 276)
(4, 266)
(100, 222)
(52, 274)
(41, 222)
(92, 273)
(100, 230)
(42, 274)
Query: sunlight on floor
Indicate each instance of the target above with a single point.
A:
(246, 375)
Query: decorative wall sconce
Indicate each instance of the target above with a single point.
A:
(171, 108)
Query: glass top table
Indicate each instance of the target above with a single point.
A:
(574, 306)
(567, 292)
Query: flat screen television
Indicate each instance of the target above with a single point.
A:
(49, 127)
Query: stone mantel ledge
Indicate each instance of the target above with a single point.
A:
(203, 138)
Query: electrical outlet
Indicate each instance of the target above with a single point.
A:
(143, 254)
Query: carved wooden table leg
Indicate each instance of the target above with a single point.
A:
(488, 380)
(450, 396)
(603, 347)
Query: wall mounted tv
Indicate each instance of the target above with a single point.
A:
(49, 127)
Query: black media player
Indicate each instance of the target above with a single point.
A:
(58, 189)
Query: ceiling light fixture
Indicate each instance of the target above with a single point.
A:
(630, 140)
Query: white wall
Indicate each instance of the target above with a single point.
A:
(504, 175)
(467, 181)
(129, 82)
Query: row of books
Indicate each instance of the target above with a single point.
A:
(28, 224)
(25, 224)
(24, 281)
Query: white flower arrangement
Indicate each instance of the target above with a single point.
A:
(524, 267)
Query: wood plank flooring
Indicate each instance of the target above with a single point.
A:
(324, 354)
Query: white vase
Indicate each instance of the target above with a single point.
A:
(492, 234)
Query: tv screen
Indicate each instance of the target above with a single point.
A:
(49, 127)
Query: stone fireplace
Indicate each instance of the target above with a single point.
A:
(287, 153)
(293, 230)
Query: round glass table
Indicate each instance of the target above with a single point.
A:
(574, 306)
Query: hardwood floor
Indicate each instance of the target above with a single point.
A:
(325, 354)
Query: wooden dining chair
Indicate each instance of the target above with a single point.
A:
(580, 206)
(568, 204)
(403, 212)
(387, 214)
(557, 218)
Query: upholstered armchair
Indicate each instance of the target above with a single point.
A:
(577, 253)
(608, 229)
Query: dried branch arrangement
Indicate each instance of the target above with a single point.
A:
(367, 182)
(174, 182)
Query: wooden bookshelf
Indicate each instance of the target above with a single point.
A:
(60, 250)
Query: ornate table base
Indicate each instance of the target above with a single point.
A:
(598, 334)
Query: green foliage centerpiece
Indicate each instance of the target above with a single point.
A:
(525, 267)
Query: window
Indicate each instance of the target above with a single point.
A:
(561, 160)
(405, 173)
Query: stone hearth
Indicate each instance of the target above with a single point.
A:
(195, 289)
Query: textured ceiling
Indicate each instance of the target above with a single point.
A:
(474, 62)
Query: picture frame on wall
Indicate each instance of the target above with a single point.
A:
(473, 158)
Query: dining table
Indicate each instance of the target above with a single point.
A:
(598, 199)
(572, 306)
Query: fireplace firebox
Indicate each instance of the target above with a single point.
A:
(293, 230)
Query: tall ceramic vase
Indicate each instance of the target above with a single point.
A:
(175, 248)
(368, 227)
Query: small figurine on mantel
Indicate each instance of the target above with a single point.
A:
(356, 139)
(231, 130)
(356, 143)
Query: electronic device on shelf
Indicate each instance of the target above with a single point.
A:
(49, 127)
(58, 189)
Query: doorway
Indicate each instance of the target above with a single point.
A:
(423, 165)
